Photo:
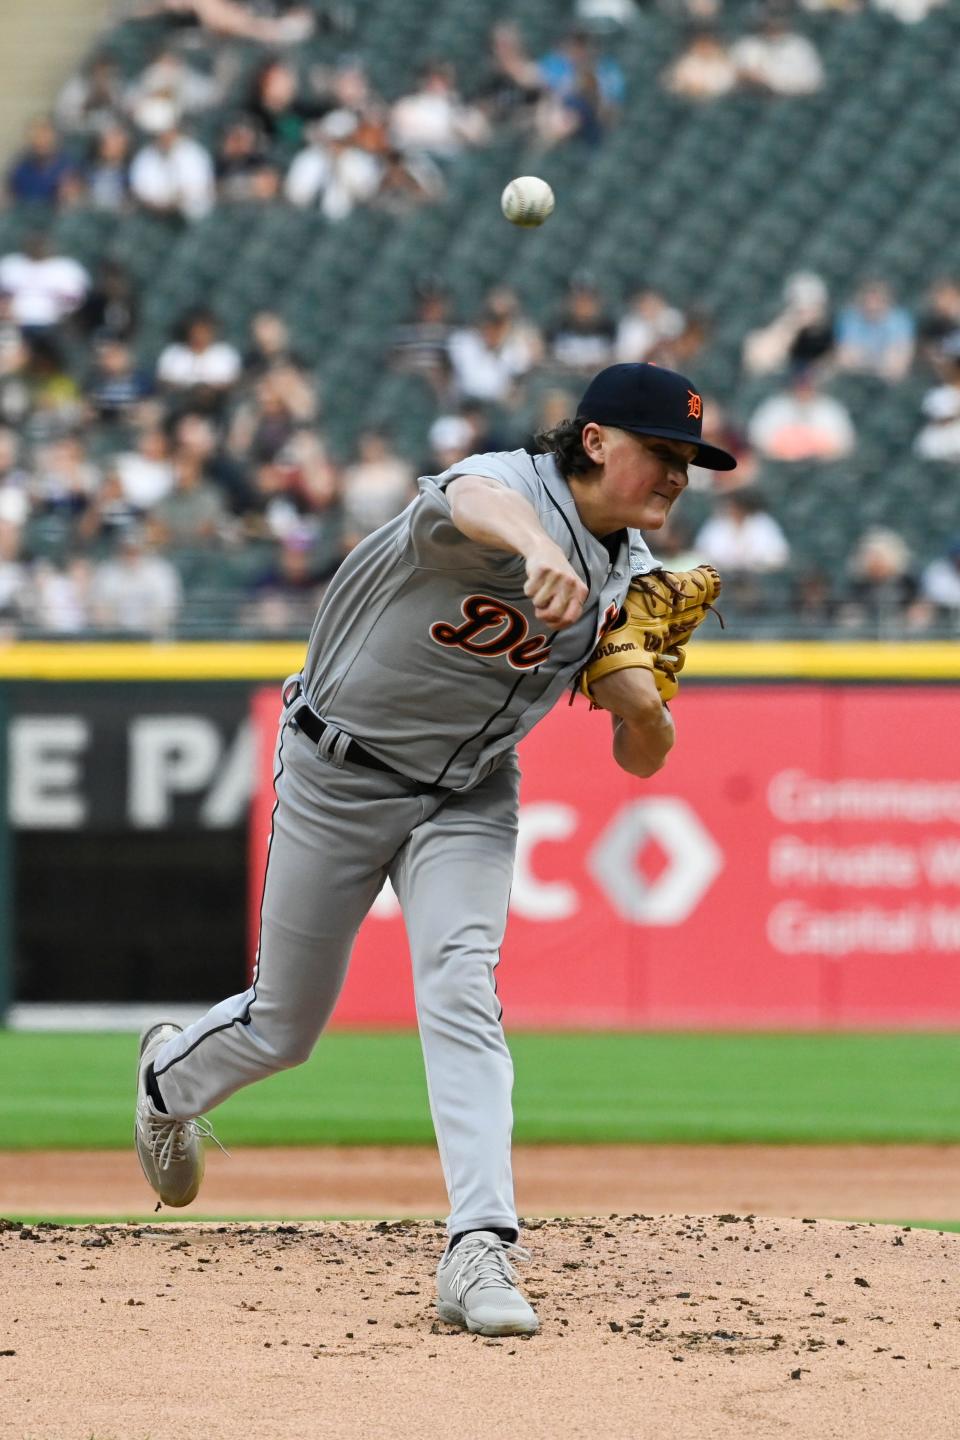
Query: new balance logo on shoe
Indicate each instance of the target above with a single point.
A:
(476, 1287)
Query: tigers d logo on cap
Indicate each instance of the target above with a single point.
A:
(647, 400)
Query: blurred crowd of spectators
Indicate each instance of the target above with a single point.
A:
(314, 135)
(126, 490)
(910, 12)
(772, 57)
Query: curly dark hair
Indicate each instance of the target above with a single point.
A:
(565, 443)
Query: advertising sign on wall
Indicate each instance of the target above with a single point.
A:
(795, 864)
(109, 757)
(127, 805)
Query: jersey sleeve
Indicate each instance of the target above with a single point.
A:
(513, 468)
(433, 542)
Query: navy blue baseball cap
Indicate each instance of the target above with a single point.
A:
(650, 401)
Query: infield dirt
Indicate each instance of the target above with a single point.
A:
(668, 1326)
(877, 1182)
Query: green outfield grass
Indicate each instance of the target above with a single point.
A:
(76, 1091)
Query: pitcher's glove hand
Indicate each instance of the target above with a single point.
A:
(659, 615)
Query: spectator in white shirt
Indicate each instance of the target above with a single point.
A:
(939, 439)
(778, 60)
(910, 12)
(705, 70)
(377, 486)
(648, 320)
(169, 77)
(434, 119)
(486, 359)
(14, 506)
(59, 596)
(802, 424)
(136, 591)
(742, 537)
(13, 575)
(200, 363)
(15, 481)
(146, 473)
(333, 171)
(172, 175)
(92, 98)
(522, 338)
(43, 288)
(450, 438)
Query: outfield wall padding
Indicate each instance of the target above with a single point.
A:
(796, 864)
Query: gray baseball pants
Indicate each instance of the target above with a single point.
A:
(338, 831)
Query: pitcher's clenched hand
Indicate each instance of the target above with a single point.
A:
(557, 592)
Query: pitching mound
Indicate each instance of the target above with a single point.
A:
(672, 1325)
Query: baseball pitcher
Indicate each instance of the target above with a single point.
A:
(440, 642)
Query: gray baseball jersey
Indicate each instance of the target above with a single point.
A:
(428, 653)
(425, 648)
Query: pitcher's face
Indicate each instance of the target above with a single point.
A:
(642, 475)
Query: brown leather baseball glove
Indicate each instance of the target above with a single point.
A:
(662, 610)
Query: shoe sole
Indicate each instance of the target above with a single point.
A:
(454, 1315)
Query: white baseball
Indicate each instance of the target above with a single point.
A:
(527, 201)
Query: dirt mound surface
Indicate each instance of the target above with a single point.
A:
(676, 1325)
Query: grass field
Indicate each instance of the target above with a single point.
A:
(76, 1091)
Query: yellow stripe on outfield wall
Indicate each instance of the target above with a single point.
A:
(823, 660)
(191, 660)
(272, 660)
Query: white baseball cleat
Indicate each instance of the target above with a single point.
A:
(476, 1287)
(170, 1151)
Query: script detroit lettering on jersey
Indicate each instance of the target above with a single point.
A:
(492, 627)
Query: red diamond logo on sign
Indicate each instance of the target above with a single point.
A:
(693, 861)
(652, 860)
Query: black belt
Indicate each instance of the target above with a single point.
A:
(315, 728)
